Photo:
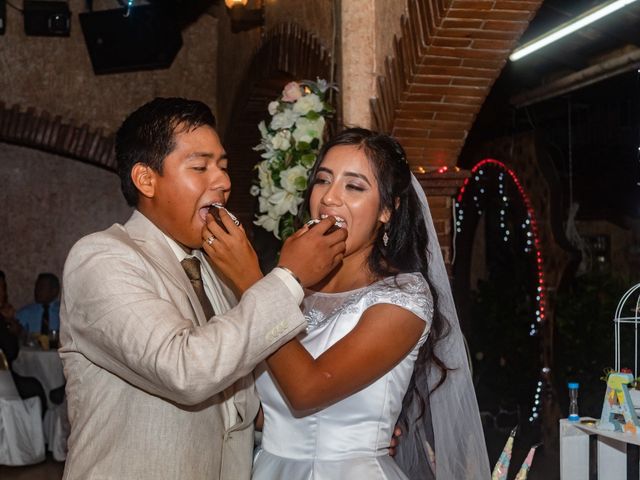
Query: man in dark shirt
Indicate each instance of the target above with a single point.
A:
(42, 316)
(10, 332)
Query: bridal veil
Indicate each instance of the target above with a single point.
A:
(446, 442)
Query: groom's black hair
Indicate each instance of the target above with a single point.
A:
(148, 135)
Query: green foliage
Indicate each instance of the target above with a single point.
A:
(506, 357)
(584, 345)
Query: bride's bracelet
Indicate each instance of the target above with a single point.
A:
(295, 277)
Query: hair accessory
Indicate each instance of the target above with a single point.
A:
(398, 148)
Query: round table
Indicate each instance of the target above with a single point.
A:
(44, 365)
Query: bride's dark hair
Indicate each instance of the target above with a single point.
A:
(405, 251)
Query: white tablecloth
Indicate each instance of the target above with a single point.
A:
(7, 387)
(56, 431)
(21, 434)
(45, 366)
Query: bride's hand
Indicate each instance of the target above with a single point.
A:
(230, 252)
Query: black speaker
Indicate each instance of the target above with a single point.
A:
(46, 19)
(145, 37)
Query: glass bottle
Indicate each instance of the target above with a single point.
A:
(573, 401)
(54, 339)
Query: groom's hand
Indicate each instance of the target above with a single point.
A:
(311, 255)
(395, 441)
(229, 251)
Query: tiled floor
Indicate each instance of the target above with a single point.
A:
(47, 470)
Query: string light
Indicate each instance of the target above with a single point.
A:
(421, 169)
(533, 244)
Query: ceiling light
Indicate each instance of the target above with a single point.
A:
(243, 18)
(577, 23)
(233, 3)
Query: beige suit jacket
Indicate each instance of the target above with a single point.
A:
(145, 369)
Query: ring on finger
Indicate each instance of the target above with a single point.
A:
(210, 240)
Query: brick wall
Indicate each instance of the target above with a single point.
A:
(53, 134)
(445, 63)
(446, 60)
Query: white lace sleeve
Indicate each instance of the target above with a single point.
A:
(406, 290)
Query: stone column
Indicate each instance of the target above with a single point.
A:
(357, 45)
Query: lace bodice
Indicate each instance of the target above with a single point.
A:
(409, 291)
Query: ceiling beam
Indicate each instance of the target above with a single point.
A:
(623, 62)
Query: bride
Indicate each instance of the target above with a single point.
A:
(383, 344)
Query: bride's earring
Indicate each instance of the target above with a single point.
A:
(385, 239)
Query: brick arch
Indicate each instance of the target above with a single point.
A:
(287, 53)
(43, 131)
(525, 155)
(445, 62)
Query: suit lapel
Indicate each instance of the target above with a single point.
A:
(152, 242)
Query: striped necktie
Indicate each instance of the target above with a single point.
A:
(191, 267)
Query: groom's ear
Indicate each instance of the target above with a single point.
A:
(144, 178)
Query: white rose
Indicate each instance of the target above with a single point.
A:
(284, 119)
(307, 104)
(307, 130)
(254, 191)
(282, 140)
(284, 202)
(294, 179)
(269, 223)
(273, 107)
(270, 153)
(266, 180)
(264, 133)
(263, 202)
(322, 84)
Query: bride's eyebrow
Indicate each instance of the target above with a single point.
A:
(346, 174)
(358, 175)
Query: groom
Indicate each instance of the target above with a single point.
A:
(157, 357)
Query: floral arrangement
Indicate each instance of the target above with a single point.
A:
(290, 144)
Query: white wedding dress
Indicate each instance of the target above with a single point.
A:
(350, 438)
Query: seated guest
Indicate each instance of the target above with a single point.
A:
(9, 327)
(9, 343)
(43, 315)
